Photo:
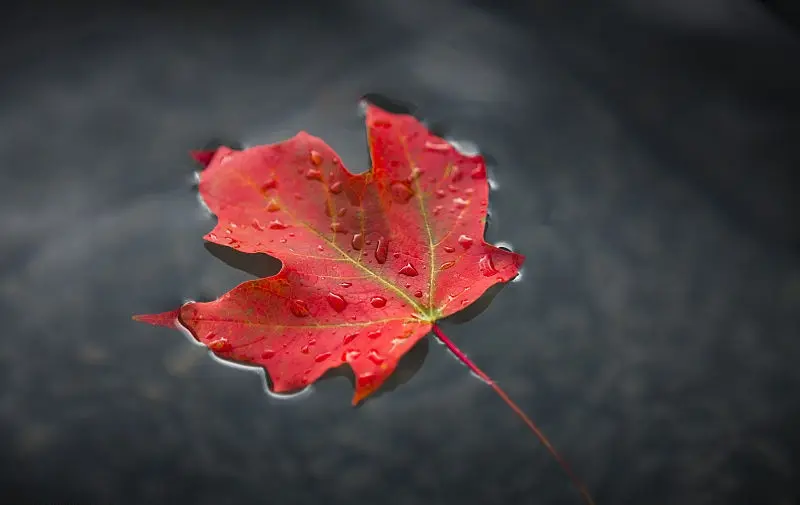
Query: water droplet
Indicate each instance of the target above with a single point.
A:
(282, 241)
(469, 191)
(376, 357)
(367, 378)
(357, 241)
(315, 157)
(337, 302)
(446, 265)
(409, 270)
(374, 334)
(401, 192)
(486, 265)
(351, 355)
(267, 354)
(418, 293)
(437, 210)
(273, 206)
(220, 345)
(460, 202)
(313, 174)
(349, 338)
(257, 225)
(453, 189)
(341, 212)
(277, 224)
(395, 255)
(270, 184)
(305, 349)
(432, 146)
(345, 284)
(298, 308)
(465, 241)
(479, 172)
(322, 357)
(338, 227)
(336, 187)
(457, 174)
(320, 248)
(382, 250)
(298, 196)
(448, 248)
(378, 301)
(440, 193)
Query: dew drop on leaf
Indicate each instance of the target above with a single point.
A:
(378, 301)
(345, 284)
(365, 379)
(315, 157)
(322, 357)
(381, 250)
(320, 248)
(437, 210)
(358, 241)
(273, 206)
(220, 344)
(277, 224)
(349, 338)
(341, 212)
(440, 193)
(374, 334)
(401, 192)
(313, 174)
(337, 302)
(409, 270)
(257, 225)
(479, 172)
(418, 293)
(298, 308)
(268, 354)
(432, 146)
(336, 187)
(376, 357)
(460, 202)
(486, 265)
(350, 355)
(448, 249)
(305, 349)
(447, 264)
(338, 227)
(465, 241)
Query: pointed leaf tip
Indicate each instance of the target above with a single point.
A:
(167, 319)
(203, 157)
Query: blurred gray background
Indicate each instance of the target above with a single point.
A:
(646, 158)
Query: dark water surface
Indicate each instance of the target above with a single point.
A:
(645, 160)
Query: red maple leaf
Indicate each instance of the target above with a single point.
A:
(370, 261)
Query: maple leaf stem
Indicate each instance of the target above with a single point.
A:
(517, 410)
